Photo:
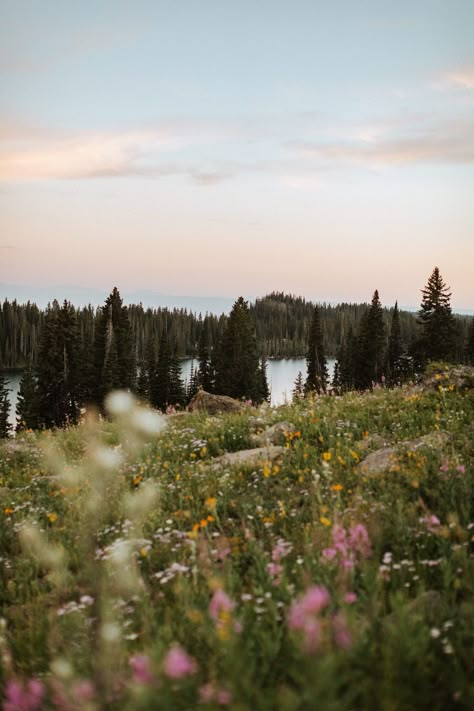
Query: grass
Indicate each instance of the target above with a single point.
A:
(137, 575)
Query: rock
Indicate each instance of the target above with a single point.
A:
(276, 434)
(213, 404)
(384, 460)
(374, 441)
(248, 457)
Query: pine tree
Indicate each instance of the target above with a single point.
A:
(176, 395)
(264, 390)
(395, 349)
(151, 372)
(298, 389)
(238, 362)
(192, 385)
(317, 371)
(205, 375)
(437, 341)
(370, 358)
(5, 425)
(142, 382)
(114, 359)
(58, 367)
(27, 402)
(336, 378)
(161, 399)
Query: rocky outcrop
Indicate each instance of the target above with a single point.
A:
(213, 404)
(383, 461)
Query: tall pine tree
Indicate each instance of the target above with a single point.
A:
(370, 360)
(238, 366)
(27, 402)
(5, 425)
(395, 349)
(438, 339)
(114, 357)
(317, 371)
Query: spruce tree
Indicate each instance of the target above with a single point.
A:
(58, 367)
(161, 399)
(27, 402)
(177, 394)
(395, 349)
(317, 371)
(192, 386)
(298, 389)
(114, 359)
(370, 358)
(205, 375)
(5, 424)
(264, 394)
(437, 341)
(238, 363)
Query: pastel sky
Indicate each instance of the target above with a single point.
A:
(226, 147)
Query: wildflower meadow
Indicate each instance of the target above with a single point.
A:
(139, 570)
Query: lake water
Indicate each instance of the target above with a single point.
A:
(281, 375)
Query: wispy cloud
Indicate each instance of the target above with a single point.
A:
(441, 142)
(458, 79)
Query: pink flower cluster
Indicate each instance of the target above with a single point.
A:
(178, 664)
(304, 616)
(431, 522)
(348, 546)
(275, 569)
(210, 693)
(21, 698)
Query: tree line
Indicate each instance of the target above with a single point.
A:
(79, 360)
(282, 324)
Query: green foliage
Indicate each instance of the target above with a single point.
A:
(437, 340)
(238, 370)
(27, 403)
(316, 365)
(114, 361)
(5, 425)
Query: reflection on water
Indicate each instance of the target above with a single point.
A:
(281, 374)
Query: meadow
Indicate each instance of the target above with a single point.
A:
(139, 572)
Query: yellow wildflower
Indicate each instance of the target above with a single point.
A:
(337, 487)
(327, 456)
(52, 517)
(325, 521)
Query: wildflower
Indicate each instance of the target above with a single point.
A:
(350, 598)
(461, 468)
(52, 517)
(444, 467)
(303, 615)
(327, 456)
(19, 698)
(220, 603)
(178, 664)
(210, 503)
(325, 521)
(141, 668)
(8, 511)
(435, 633)
(337, 487)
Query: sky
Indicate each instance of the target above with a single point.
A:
(219, 148)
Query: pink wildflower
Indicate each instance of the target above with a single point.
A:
(220, 603)
(303, 615)
(444, 467)
(350, 598)
(461, 468)
(359, 540)
(178, 664)
(141, 668)
(19, 698)
(209, 693)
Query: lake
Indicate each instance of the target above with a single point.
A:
(281, 374)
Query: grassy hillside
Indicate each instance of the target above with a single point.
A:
(138, 573)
